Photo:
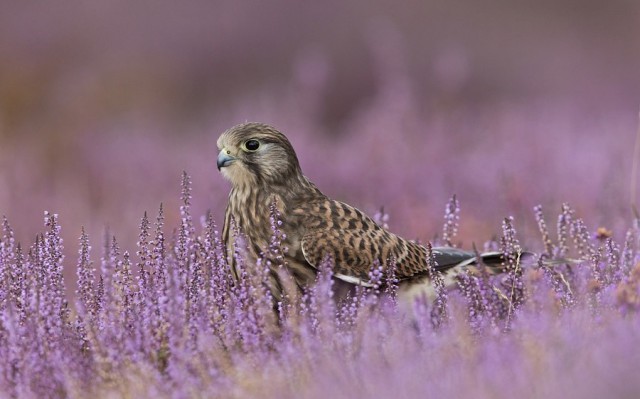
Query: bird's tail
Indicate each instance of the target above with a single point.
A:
(494, 262)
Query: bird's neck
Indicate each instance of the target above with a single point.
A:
(294, 187)
(250, 203)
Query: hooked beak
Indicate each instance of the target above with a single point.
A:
(224, 159)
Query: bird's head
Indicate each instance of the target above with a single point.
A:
(253, 153)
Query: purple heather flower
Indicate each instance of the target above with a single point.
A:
(544, 232)
(451, 221)
(439, 312)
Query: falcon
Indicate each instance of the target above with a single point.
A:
(263, 169)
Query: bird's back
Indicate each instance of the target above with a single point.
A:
(354, 242)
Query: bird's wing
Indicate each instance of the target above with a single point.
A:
(354, 242)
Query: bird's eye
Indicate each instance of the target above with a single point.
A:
(252, 145)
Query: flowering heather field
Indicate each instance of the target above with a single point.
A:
(526, 111)
(167, 321)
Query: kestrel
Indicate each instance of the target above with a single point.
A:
(263, 169)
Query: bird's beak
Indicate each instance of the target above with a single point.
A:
(224, 159)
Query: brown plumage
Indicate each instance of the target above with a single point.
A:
(263, 169)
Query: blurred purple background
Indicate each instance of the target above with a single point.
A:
(507, 104)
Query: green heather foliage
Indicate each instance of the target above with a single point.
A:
(168, 321)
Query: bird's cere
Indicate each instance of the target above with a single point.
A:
(224, 159)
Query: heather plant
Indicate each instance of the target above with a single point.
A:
(385, 107)
(171, 321)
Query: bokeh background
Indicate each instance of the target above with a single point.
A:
(396, 104)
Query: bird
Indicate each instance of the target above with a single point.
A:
(264, 170)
